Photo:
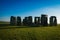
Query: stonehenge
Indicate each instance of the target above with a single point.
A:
(53, 21)
(27, 21)
(30, 21)
(13, 21)
(38, 21)
(44, 20)
(18, 21)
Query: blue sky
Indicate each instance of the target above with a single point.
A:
(29, 8)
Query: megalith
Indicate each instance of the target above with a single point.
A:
(25, 23)
(12, 20)
(44, 20)
(18, 21)
(37, 21)
(29, 21)
(53, 21)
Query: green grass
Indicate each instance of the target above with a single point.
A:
(30, 33)
(2, 22)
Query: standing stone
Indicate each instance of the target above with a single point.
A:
(25, 23)
(18, 21)
(29, 21)
(13, 21)
(37, 21)
(53, 21)
(44, 20)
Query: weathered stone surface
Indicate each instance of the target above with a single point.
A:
(27, 21)
(44, 20)
(13, 20)
(53, 21)
(18, 21)
(30, 21)
(37, 21)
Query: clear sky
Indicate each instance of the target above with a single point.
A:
(29, 8)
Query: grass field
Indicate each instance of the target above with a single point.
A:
(30, 33)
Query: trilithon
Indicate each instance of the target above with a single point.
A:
(37, 21)
(44, 20)
(27, 21)
(53, 21)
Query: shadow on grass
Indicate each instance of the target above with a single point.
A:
(2, 25)
(8, 26)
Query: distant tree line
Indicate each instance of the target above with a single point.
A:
(38, 21)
